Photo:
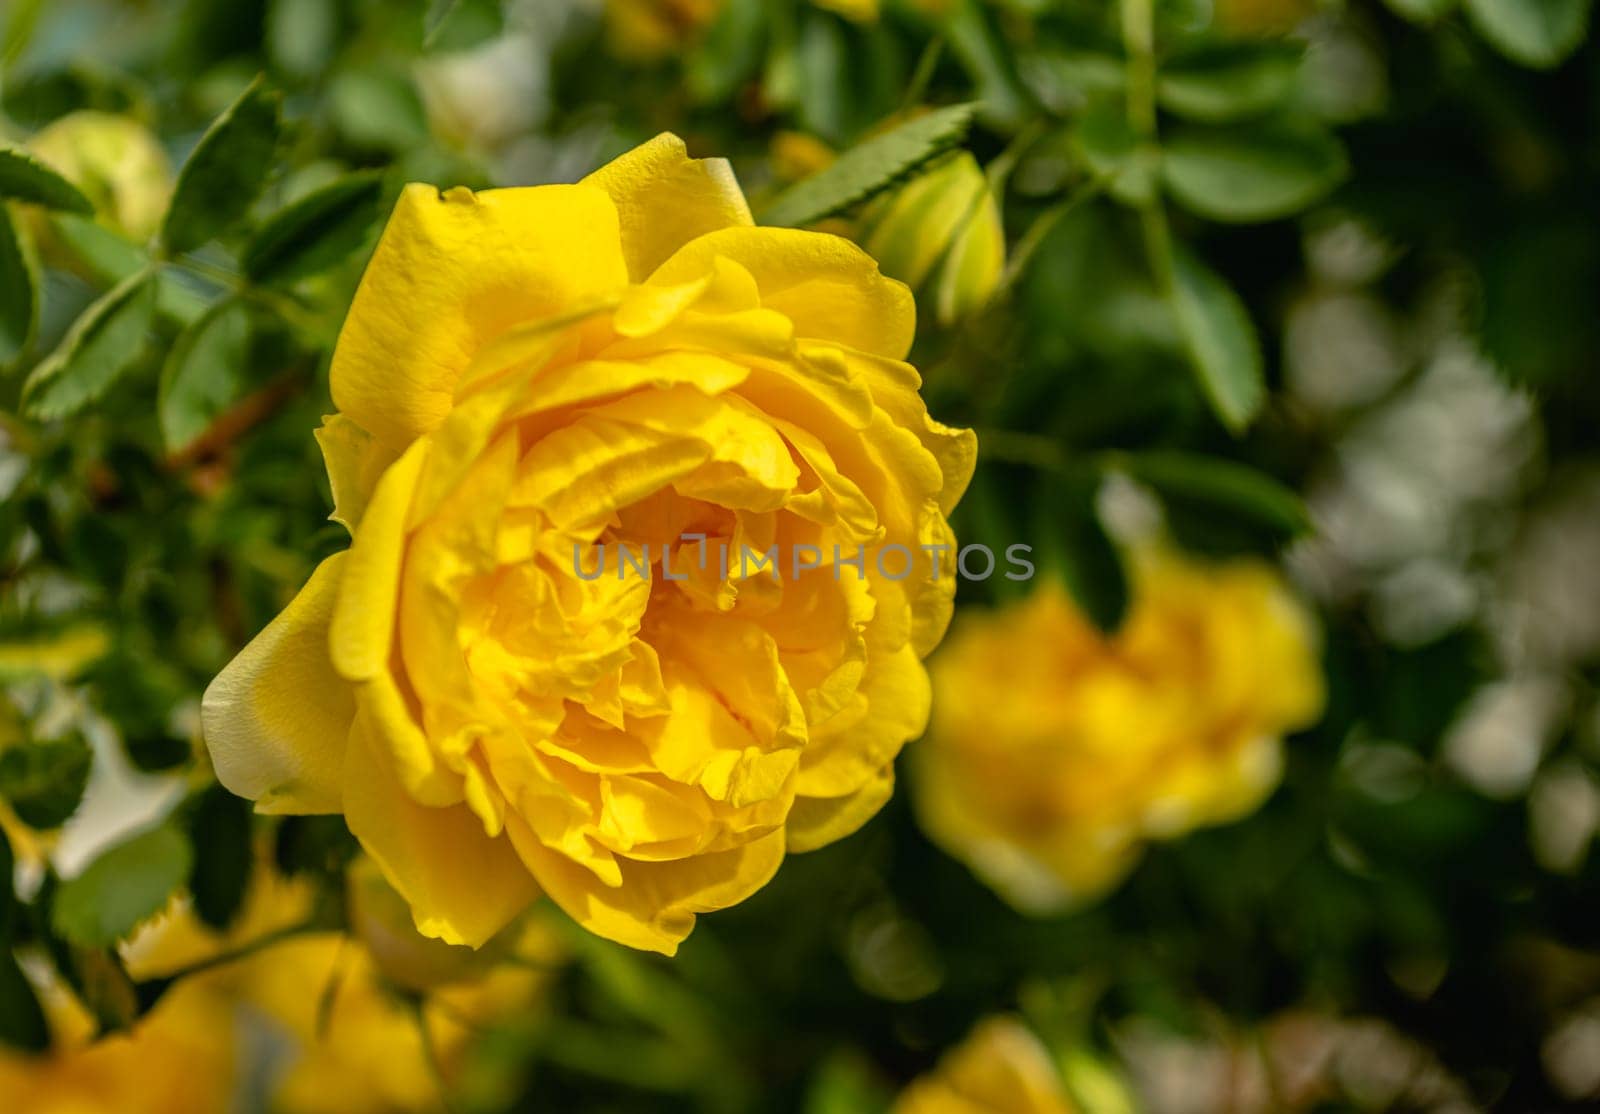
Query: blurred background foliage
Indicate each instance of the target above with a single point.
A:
(1315, 280)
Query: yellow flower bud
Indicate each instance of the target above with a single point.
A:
(946, 218)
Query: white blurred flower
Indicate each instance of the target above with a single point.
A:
(1563, 813)
(1341, 349)
(1548, 614)
(1417, 492)
(483, 97)
(1571, 1054)
(1498, 739)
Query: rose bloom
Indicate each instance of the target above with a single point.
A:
(1056, 752)
(526, 375)
(1001, 1068)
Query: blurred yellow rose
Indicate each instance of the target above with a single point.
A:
(116, 162)
(1001, 1068)
(343, 1013)
(645, 29)
(357, 1041)
(496, 706)
(1056, 752)
(176, 1060)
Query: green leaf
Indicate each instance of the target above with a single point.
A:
(377, 108)
(25, 178)
(1220, 340)
(316, 232)
(1074, 547)
(988, 59)
(22, 1022)
(1255, 173)
(728, 54)
(1228, 81)
(110, 259)
(105, 341)
(201, 376)
(1111, 148)
(1537, 33)
(138, 690)
(1221, 485)
(44, 781)
(225, 173)
(219, 828)
(870, 167)
(301, 35)
(122, 887)
(845, 1083)
(19, 290)
(461, 24)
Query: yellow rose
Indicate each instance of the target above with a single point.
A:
(177, 1060)
(349, 1007)
(499, 706)
(1001, 1068)
(358, 1043)
(946, 218)
(1056, 752)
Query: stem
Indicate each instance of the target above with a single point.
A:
(222, 276)
(430, 1052)
(293, 312)
(243, 951)
(1041, 227)
(923, 74)
(1030, 449)
(1138, 39)
(330, 990)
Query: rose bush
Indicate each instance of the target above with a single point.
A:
(527, 376)
(1058, 751)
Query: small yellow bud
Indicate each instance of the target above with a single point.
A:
(945, 219)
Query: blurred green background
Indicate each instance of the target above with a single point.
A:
(1318, 280)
